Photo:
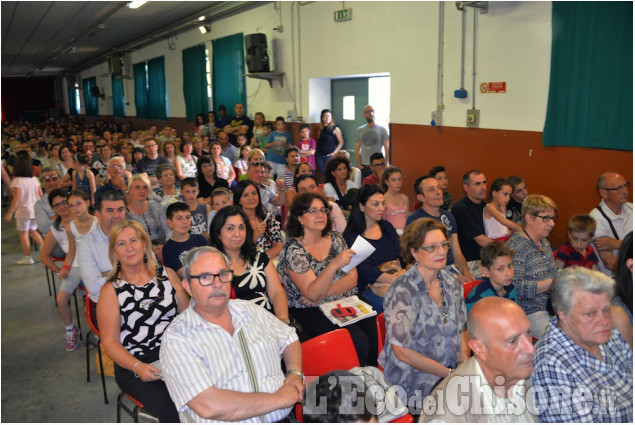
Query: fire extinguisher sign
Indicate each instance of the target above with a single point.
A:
(495, 87)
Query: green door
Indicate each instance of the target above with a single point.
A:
(348, 98)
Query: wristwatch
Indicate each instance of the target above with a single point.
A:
(295, 372)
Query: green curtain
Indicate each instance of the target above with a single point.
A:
(194, 82)
(72, 105)
(118, 100)
(92, 106)
(157, 94)
(591, 87)
(228, 68)
(140, 90)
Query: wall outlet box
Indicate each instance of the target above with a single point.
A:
(436, 118)
(473, 116)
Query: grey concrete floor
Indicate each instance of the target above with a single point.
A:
(41, 382)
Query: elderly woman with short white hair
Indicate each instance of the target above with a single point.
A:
(147, 212)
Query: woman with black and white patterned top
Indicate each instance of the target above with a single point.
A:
(137, 303)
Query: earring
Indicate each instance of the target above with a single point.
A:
(118, 267)
(417, 265)
(145, 258)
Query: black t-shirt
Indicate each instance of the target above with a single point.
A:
(205, 189)
(236, 122)
(469, 220)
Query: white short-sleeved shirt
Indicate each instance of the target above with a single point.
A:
(29, 194)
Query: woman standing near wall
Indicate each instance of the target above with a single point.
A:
(330, 139)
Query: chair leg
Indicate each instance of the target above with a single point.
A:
(54, 289)
(88, 356)
(103, 378)
(48, 280)
(79, 325)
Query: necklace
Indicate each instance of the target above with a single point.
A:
(444, 307)
(538, 244)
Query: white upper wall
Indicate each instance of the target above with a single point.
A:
(400, 38)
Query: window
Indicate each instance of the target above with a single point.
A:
(228, 68)
(348, 108)
(195, 83)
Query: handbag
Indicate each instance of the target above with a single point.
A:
(391, 267)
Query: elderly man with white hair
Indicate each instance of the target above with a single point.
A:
(583, 368)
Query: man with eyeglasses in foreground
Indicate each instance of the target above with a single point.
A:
(614, 218)
(220, 358)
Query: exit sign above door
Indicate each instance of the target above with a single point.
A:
(343, 15)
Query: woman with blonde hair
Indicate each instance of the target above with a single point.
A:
(534, 264)
(137, 303)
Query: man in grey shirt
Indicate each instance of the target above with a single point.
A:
(370, 139)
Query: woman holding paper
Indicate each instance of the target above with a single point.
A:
(376, 273)
(424, 312)
(311, 269)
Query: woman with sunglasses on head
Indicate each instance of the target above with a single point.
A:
(266, 229)
(136, 304)
(376, 273)
(311, 270)
(534, 263)
(424, 312)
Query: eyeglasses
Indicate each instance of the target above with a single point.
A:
(117, 167)
(383, 164)
(206, 279)
(60, 204)
(151, 146)
(546, 218)
(431, 249)
(256, 164)
(314, 211)
(617, 189)
(49, 178)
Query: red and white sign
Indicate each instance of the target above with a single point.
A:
(496, 87)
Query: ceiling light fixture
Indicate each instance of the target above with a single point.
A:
(205, 29)
(136, 4)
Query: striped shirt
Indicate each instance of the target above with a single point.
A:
(197, 354)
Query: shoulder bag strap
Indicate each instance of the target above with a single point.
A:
(609, 220)
(250, 366)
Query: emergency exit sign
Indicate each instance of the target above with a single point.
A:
(343, 15)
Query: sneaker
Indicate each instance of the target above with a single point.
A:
(71, 339)
(26, 261)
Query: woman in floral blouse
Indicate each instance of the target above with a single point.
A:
(425, 314)
(266, 229)
(255, 277)
(311, 270)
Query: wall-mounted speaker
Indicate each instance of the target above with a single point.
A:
(257, 58)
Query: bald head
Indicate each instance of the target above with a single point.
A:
(488, 314)
(500, 337)
(605, 177)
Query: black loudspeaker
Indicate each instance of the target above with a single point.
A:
(257, 58)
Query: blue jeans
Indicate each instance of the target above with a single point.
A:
(320, 162)
(375, 301)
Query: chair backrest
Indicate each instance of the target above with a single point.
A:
(328, 352)
(89, 315)
(468, 286)
(381, 332)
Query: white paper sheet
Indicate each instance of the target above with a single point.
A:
(363, 249)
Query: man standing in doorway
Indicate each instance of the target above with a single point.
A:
(370, 139)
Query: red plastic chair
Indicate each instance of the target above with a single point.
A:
(381, 335)
(468, 286)
(92, 343)
(325, 353)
